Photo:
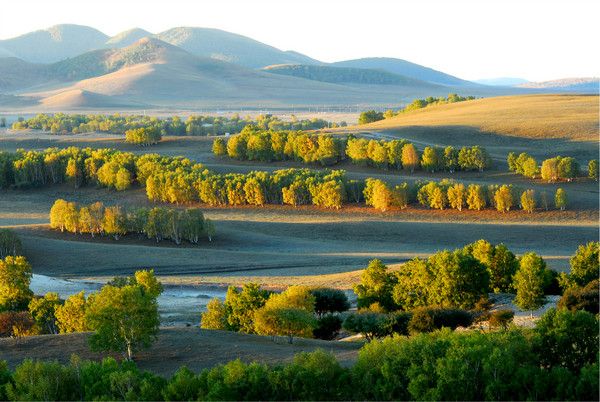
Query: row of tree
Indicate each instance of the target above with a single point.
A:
(450, 194)
(462, 278)
(267, 146)
(61, 123)
(552, 169)
(555, 361)
(158, 223)
(370, 116)
(180, 181)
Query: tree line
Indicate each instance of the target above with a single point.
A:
(557, 360)
(554, 169)
(158, 223)
(267, 146)
(123, 314)
(179, 180)
(61, 123)
(370, 116)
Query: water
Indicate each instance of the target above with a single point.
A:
(177, 305)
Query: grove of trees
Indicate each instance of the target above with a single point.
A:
(553, 169)
(158, 223)
(267, 146)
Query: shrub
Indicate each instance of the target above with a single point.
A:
(430, 319)
(16, 323)
(10, 244)
(581, 298)
(328, 327)
(501, 318)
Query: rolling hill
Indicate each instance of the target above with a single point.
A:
(227, 46)
(502, 81)
(568, 117)
(127, 38)
(344, 75)
(54, 44)
(405, 68)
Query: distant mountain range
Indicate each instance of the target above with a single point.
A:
(502, 81)
(73, 66)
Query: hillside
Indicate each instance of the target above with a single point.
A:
(570, 117)
(502, 81)
(227, 46)
(127, 38)
(405, 68)
(344, 75)
(54, 44)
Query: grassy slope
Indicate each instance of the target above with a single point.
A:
(571, 117)
(175, 347)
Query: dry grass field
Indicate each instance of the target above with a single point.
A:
(193, 347)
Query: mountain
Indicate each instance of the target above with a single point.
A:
(344, 75)
(55, 43)
(227, 46)
(405, 68)
(127, 38)
(587, 85)
(502, 81)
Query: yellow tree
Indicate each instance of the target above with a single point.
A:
(410, 157)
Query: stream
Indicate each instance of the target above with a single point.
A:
(177, 305)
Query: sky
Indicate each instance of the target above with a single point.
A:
(472, 39)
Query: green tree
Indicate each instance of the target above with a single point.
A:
(529, 282)
(241, 305)
(560, 199)
(376, 286)
(585, 266)
(369, 116)
(15, 277)
(43, 311)
(10, 244)
(124, 319)
(291, 322)
(431, 159)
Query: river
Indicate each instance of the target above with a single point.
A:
(177, 305)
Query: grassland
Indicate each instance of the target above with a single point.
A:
(542, 124)
(175, 347)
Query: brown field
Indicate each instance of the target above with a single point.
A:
(193, 347)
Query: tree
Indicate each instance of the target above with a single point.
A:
(475, 197)
(376, 286)
(123, 179)
(290, 322)
(529, 282)
(431, 159)
(236, 147)
(528, 200)
(328, 300)
(369, 116)
(215, 316)
(456, 196)
(15, 277)
(568, 168)
(550, 169)
(241, 305)
(560, 199)
(114, 222)
(124, 319)
(499, 261)
(567, 339)
(585, 266)
(43, 311)
(369, 324)
(70, 317)
(219, 147)
(503, 198)
(410, 157)
(10, 244)
(593, 169)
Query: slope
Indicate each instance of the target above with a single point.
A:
(227, 46)
(127, 38)
(405, 68)
(55, 43)
(569, 117)
(344, 75)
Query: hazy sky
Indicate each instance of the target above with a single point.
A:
(536, 40)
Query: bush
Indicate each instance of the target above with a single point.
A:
(501, 318)
(328, 327)
(430, 319)
(329, 300)
(16, 323)
(581, 298)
